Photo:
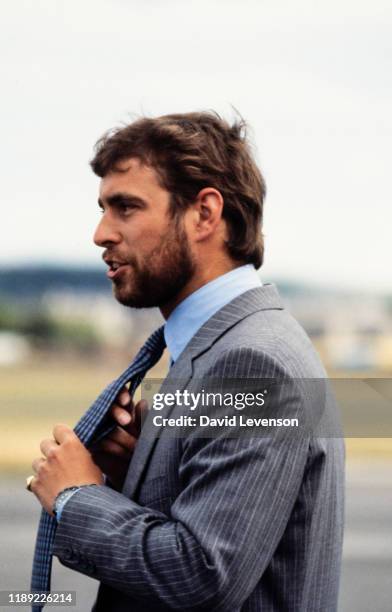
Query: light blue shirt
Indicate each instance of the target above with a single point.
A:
(198, 307)
(195, 310)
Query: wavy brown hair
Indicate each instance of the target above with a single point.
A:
(191, 151)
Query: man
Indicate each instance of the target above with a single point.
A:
(196, 522)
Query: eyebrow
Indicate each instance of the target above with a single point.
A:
(118, 199)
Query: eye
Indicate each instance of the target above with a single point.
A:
(126, 207)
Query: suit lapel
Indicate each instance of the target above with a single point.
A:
(263, 298)
(177, 379)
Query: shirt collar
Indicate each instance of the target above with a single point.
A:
(202, 304)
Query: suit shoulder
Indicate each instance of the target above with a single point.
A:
(268, 338)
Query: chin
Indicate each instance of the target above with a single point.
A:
(122, 293)
(127, 297)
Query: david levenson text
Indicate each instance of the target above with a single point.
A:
(232, 421)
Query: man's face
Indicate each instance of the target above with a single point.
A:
(148, 252)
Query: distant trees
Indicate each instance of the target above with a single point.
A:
(44, 331)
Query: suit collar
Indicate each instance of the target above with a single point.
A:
(260, 298)
(187, 318)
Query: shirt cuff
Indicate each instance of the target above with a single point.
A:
(62, 502)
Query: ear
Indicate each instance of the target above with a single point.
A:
(208, 210)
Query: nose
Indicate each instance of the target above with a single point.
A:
(106, 233)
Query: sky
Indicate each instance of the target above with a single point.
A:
(312, 78)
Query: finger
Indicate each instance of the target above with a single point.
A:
(37, 464)
(122, 416)
(62, 432)
(130, 418)
(120, 437)
(124, 397)
(138, 416)
(123, 438)
(110, 447)
(47, 446)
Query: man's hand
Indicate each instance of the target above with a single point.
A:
(114, 452)
(65, 463)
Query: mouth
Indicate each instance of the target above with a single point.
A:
(115, 268)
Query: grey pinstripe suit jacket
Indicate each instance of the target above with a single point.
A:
(219, 524)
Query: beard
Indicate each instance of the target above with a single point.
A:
(161, 276)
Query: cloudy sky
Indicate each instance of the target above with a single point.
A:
(313, 78)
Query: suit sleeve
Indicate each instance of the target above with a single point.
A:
(223, 528)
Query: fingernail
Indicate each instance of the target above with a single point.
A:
(124, 419)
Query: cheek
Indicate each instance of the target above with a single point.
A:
(142, 239)
(143, 236)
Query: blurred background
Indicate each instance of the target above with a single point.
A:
(313, 79)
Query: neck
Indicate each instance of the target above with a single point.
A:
(199, 279)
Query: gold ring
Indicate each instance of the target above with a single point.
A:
(28, 482)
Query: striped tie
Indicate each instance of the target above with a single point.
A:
(94, 425)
